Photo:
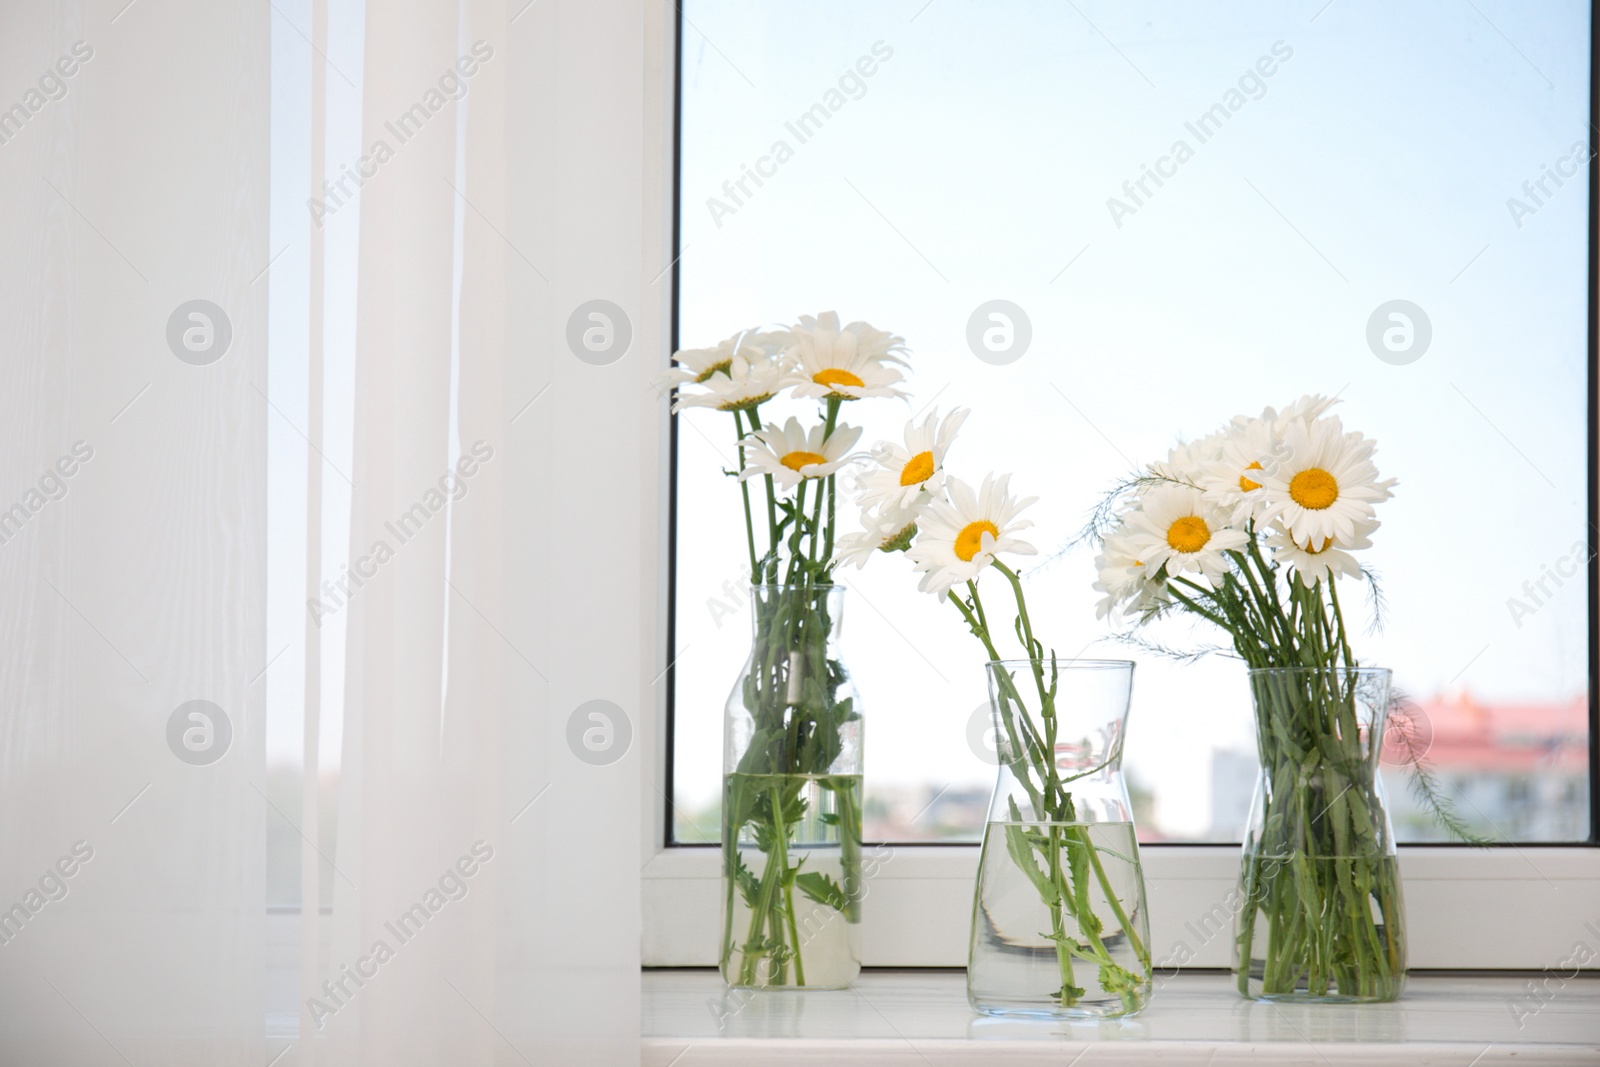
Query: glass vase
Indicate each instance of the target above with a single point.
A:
(1320, 914)
(791, 801)
(1059, 926)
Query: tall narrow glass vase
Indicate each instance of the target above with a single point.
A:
(791, 803)
(1059, 926)
(1321, 916)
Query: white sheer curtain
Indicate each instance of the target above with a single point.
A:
(132, 177)
(459, 879)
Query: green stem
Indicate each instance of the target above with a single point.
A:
(1058, 928)
(797, 537)
(1338, 614)
(1117, 909)
(1027, 745)
(830, 421)
(816, 532)
(772, 507)
(751, 953)
(1034, 755)
(744, 491)
(781, 845)
(1193, 606)
(827, 551)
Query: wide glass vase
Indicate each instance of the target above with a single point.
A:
(791, 801)
(1320, 915)
(1059, 926)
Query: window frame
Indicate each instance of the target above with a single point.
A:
(924, 891)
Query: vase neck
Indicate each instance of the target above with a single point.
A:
(1058, 730)
(1334, 711)
(796, 615)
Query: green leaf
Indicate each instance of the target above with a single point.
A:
(822, 889)
(1021, 853)
(1119, 980)
(1077, 850)
(743, 877)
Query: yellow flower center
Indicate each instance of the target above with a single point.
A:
(1188, 534)
(918, 470)
(743, 403)
(795, 460)
(1314, 488)
(1318, 551)
(724, 367)
(835, 376)
(1245, 484)
(970, 540)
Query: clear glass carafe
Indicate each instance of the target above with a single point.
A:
(791, 802)
(1320, 913)
(1059, 926)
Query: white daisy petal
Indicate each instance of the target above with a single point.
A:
(1187, 461)
(1129, 586)
(960, 536)
(1176, 527)
(1232, 479)
(792, 454)
(843, 363)
(1326, 485)
(1324, 559)
(888, 529)
(903, 472)
(736, 375)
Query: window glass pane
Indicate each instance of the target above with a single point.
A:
(1200, 210)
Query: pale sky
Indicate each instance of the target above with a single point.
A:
(1375, 163)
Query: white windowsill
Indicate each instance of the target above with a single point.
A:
(918, 906)
(921, 1019)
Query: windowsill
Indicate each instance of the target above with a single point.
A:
(918, 910)
(921, 1019)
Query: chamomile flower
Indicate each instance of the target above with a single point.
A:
(739, 385)
(699, 364)
(1327, 484)
(886, 529)
(1128, 585)
(1175, 527)
(792, 454)
(843, 364)
(962, 535)
(902, 473)
(739, 373)
(1232, 480)
(1308, 408)
(1315, 560)
(1247, 449)
(1186, 461)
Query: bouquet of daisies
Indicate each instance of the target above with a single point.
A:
(792, 738)
(816, 360)
(1249, 529)
(952, 533)
(1213, 529)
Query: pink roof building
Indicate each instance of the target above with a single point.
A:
(1515, 771)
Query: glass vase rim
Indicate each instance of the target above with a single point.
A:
(1083, 663)
(1359, 671)
(798, 587)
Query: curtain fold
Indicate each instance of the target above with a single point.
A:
(133, 170)
(485, 455)
(418, 801)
